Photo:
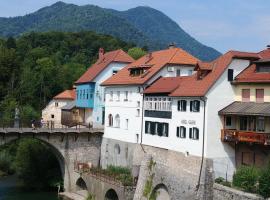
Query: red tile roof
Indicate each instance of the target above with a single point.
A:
(155, 63)
(192, 86)
(67, 94)
(102, 63)
(249, 75)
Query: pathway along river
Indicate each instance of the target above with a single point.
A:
(9, 190)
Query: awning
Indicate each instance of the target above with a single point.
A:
(246, 108)
(69, 106)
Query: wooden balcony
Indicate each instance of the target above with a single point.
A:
(236, 136)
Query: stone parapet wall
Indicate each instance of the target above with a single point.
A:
(226, 193)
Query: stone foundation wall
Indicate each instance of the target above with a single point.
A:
(226, 193)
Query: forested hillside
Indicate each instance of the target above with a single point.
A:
(37, 66)
(143, 26)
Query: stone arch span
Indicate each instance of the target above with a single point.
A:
(68, 147)
(160, 192)
(111, 195)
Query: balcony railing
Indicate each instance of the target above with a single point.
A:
(236, 136)
(158, 105)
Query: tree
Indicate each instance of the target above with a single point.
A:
(136, 52)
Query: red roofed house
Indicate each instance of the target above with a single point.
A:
(89, 94)
(182, 113)
(124, 98)
(52, 113)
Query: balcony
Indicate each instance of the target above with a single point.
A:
(158, 109)
(235, 136)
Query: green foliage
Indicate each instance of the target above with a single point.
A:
(29, 164)
(90, 197)
(41, 65)
(222, 181)
(148, 186)
(121, 174)
(6, 163)
(153, 29)
(136, 52)
(264, 182)
(246, 178)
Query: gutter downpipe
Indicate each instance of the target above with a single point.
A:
(142, 121)
(199, 179)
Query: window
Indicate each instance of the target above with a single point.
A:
(138, 113)
(118, 95)
(228, 120)
(127, 124)
(157, 128)
(259, 95)
(138, 104)
(91, 96)
(178, 72)
(114, 72)
(52, 116)
(194, 133)
(117, 121)
(245, 95)
(110, 120)
(243, 123)
(195, 106)
(181, 132)
(147, 127)
(83, 94)
(126, 96)
(111, 96)
(260, 124)
(56, 104)
(182, 105)
(190, 71)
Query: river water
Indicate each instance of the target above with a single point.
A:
(9, 190)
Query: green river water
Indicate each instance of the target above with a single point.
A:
(9, 190)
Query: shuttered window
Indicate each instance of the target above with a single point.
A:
(182, 105)
(181, 132)
(194, 133)
(195, 106)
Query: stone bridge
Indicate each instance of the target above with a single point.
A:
(69, 145)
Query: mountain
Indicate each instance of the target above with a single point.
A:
(143, 26)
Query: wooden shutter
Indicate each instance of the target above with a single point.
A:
(166, 129)
(178, 132)
(160, 129)
(190, 133)
(153, 127)
(191, 106)
(184, 105)
(178, 105)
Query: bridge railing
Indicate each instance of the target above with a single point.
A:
(38, 124)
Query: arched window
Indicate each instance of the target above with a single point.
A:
(117, 121)
(110, 120)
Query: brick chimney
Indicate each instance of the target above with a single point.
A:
(101, 53)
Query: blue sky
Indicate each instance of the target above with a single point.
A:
(222, 24)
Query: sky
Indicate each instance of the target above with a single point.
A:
(222, 24)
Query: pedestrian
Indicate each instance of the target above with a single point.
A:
(33, 124)
(42, 122)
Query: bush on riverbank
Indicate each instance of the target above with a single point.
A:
(6, 166)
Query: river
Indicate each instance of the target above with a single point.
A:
(9, 190)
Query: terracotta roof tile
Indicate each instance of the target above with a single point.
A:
(155, 63)
(102, 63)
(192, 86)
(67, 94)
(249, 75)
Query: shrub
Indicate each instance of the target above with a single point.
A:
(246, 178)
(219, 180)
(6, 163)
(116, 170)
(264, 183)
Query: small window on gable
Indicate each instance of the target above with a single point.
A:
(195, 106)
(56, 104)
(178, 72)
(114, 72)
(228, 120)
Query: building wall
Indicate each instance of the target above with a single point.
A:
(52, 109)
(85, 95)
(130, 110)
(219, 96)
(99, 92)
(187, 119)
(252, 87)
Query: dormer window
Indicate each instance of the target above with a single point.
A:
(137, 71)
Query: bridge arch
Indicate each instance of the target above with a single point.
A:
(160, 192)
(81, 184)
(111, 195)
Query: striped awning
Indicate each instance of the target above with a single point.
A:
(246, 108)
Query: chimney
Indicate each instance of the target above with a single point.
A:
(171, 45)
(101, 53)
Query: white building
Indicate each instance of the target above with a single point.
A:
(181, 114)
(51, 114)
(124, 91)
